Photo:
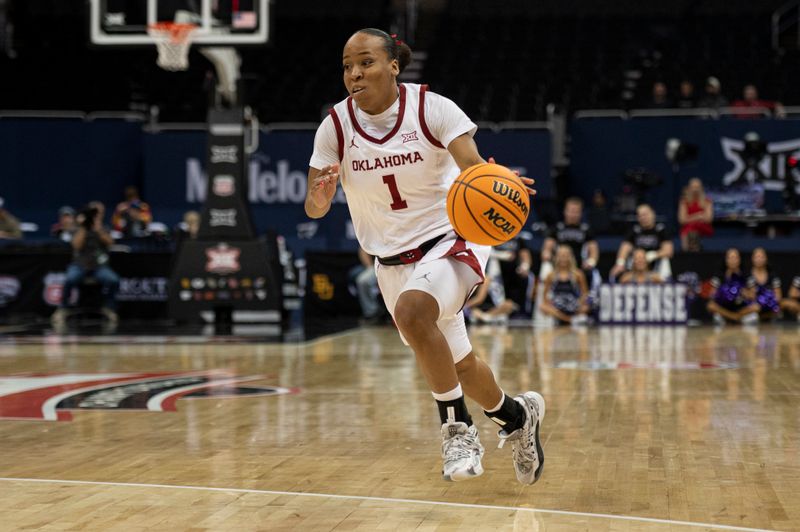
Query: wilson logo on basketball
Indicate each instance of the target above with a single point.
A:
(53, 397)
(487, 204)
(499, 221)
(514, 195)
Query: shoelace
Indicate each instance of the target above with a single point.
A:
(524, 450)
(462, 444)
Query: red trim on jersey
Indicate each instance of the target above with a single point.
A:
(339, 133)
(396, 125)
(425, 130)
(460, 252)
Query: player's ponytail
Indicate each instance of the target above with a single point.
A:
(403, 55)
(394, 47)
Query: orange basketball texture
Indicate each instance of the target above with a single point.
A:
(488, 204)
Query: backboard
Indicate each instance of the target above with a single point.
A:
(220, 22)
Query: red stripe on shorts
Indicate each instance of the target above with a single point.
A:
(460, 252)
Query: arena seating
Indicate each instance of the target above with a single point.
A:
(525, 55)
(531, 56)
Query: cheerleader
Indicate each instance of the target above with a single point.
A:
(728, 299)
(565, 290)
(763, 287)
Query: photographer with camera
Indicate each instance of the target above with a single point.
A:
(90, 247)
(132, 216)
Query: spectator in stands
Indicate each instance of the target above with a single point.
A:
(653, 238)
(599, 217)
(515, 259)
(659, 98)
(66, 226)
(573, 232)
(132, 216)
(750, 100)
(728, 300)
(695, 215)
(565, 290)
(189, 227)
(9, 225)
(791, 303)
(640, 272)
(90, 247)
(686, 97)
(763, 287)
(489, 303)
(713, 99)
(366, 282)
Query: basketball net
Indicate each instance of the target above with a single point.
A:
(173, 41)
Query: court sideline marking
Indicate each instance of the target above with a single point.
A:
(385, 499)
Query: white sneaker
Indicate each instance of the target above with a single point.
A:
(461, 451)
(526, 450)
(750, 319)
(580, 320)
(718, 319)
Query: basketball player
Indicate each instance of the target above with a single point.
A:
(396, 148)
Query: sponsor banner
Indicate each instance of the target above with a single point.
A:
(222, 217)
(226, 212)
(643, 304)
(53, 291)
(276, 179)
(224, 185)
(130, 289)
(224, 154)
(9, 289)
(238, 274)
(143, 277)
(327, 294)
(171, 169)
(143, 288)
(603, 149)
(143, 281)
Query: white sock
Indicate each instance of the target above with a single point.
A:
(499, 405)
(452, 395)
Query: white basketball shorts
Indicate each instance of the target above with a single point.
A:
(448, 272)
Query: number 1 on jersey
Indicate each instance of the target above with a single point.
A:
(397, 202)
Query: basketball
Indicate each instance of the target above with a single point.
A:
(488, 204)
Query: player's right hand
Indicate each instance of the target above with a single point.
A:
(323, 187)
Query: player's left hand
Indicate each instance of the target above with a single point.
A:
(527, 181)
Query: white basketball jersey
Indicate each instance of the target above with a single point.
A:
(396, 186)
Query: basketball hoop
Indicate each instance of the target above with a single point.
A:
(173, 41)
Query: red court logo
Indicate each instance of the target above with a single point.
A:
(53, 397)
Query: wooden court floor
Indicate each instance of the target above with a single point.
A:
(665, 429)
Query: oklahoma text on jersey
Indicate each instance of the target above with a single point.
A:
(388, 161)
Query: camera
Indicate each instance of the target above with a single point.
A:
(87, 217)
